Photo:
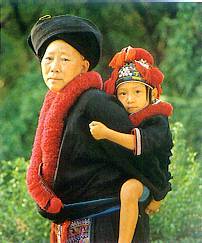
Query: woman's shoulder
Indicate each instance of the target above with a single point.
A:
(96, 97)
(97, 105)
(96, 94)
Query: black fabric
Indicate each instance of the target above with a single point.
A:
(80, 33)
(153, 163)
(88, 169)
(129, 73)
(84, 165)
(84, 209)
(105, 229)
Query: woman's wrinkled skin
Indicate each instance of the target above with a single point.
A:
(60, 64)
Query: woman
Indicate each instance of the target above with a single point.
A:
(71, 176)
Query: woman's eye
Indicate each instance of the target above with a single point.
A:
(138, 91)
(65, 59)
(48, 58)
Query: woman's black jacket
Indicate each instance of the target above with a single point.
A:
(91, 169)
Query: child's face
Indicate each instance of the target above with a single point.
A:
(133, 96)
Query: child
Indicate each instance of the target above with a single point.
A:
(137, 85)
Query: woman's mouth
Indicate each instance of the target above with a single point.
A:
(53, 80)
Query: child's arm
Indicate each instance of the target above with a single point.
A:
(153, 207)
(100, 131)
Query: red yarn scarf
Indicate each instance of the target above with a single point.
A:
(49, 134)
(158, 108)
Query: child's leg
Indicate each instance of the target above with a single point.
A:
(130, 193)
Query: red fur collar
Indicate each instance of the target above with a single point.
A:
(49, 133)
(159, 108)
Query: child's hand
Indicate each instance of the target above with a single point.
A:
(98, 130)
(153, 207)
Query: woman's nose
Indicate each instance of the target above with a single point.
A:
(55, 66)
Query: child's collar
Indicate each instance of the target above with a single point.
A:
(158, 108)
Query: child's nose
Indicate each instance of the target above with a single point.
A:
(130, 98)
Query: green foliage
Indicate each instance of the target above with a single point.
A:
(21, 88)
(172, 32)
(19, 114)
(179, 219)
(182, 56)
(189, 112)
(181, 212)
(182, 67)
(11, 53)
(19, 221)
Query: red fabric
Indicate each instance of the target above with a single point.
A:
(53, 234)
(64, 232)
(109, 85)
(48, 138)
(152, 75)
(55, 205)
(160, 108)
(129, 54)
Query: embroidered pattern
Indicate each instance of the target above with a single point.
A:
(79, 231)
(129, 70)
(144, 63)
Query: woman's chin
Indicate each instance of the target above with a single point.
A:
(54, 89)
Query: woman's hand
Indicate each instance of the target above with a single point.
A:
(153, 207)
(98, 130)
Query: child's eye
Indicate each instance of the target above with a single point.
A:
(138, 91)
(122, 93)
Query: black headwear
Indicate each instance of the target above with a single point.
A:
(80, 33)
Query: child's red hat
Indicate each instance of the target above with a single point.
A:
(141, 61)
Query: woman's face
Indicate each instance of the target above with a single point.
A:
(60, 64)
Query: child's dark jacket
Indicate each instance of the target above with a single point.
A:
(155, 145)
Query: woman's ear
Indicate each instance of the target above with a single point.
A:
(85, 66)
(154, 94)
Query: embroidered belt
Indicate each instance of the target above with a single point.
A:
(79, 231)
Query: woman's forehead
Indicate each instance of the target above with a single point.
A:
(62, 47)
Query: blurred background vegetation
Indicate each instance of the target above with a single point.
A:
(172, 32)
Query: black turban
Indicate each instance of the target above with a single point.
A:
(80, 33)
